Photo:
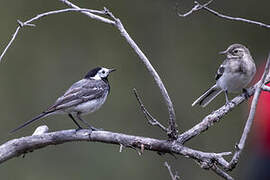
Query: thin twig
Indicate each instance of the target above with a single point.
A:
(236, 18)
(89, 14)
(151, 120)
(221, 173)
(10, 42)
(195, 8)
(173, 177)
(240, 146)
(199, 6)
(28, 22)
(121, 148)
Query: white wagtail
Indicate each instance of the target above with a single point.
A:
(233, 75)
(83, 97)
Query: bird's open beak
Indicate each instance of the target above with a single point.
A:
(111, 70)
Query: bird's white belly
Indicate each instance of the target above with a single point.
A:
(233, 82)
(90, 106)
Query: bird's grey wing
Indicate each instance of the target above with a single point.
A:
(78, 93)
(220, 70)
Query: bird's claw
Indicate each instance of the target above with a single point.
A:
(246, 95)
(78, 129)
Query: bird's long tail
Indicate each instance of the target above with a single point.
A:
(30, 121)
(208, 96)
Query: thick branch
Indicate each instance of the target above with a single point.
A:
(23, 145)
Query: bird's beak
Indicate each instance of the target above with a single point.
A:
(223, 52)
(111, 70)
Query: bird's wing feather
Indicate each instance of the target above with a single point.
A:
(220, 71)
(81, 91)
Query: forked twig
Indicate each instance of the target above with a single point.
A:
(151, 120)
(29, 22)
(199, 6)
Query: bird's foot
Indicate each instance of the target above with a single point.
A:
(229, 103)
(78, 129)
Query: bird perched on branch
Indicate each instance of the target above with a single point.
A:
(233, 75)
(83, 97)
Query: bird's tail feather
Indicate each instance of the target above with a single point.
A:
(30, 121)
(208, 96)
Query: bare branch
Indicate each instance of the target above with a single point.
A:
(151, 120)
(173, 177)
(10, 42)
(240, 146)
(17, 147)
(199, 6)
(89, 14)
(117, 23)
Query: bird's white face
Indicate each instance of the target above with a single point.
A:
(237, 52)
(102, 73)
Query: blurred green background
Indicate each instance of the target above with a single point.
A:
(44, 61)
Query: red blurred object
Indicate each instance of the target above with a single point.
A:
(262, 118)
(257, 166)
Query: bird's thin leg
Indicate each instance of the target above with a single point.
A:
(245, 93)
(79, 127)
(86, 123)
(226, 96)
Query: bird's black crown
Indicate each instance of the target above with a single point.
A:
(92, 73)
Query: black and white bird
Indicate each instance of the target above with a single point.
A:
(83, 97)
(233, 75)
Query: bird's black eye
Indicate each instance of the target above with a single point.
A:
(103, 72)
(235, 51)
